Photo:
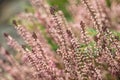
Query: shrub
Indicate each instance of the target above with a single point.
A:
(79, 56)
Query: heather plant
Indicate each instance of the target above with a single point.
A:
(57, 49)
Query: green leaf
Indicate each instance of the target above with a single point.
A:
(108, 2)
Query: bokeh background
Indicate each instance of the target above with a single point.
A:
(8, 10)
